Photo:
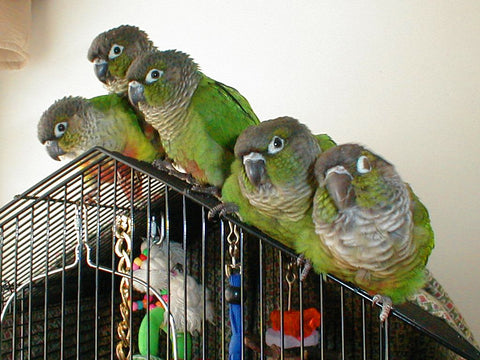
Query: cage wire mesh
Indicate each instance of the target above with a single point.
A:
(61, 280)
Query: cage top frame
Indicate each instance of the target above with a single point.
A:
(43, 192)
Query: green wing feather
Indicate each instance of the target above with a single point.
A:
(422, 232)
(225, 113)
(325, 141)
(119, 105)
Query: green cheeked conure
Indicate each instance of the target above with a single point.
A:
(112, 53)
(73, 125)
(198, 118)
(371, 222)
(272, 182)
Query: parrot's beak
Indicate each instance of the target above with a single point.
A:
(100, 67)
(54, 150)
(135, 93)
(254, 164)
(339, 185)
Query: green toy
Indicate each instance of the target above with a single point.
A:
(157, 323)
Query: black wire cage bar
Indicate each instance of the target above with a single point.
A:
(79, 280)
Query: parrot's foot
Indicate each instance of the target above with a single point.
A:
(163, 164)
(169, 167)
(386, 305)
(210, 190)
(307, 266)
(222, 210)
(172, 169)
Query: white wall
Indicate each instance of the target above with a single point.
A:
(402, 77)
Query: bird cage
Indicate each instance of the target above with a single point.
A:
(68, 249)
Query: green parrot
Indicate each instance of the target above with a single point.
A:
(370, 222)
(113, 51)
(73, 125)
(272, 182)
(198, 119)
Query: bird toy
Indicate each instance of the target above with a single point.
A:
(157, 322)
(153, 264)
(292, 332)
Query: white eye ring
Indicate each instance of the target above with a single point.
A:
(115, 51)
(363, 165)
(276, 145)
(153, 75)
(60, 129)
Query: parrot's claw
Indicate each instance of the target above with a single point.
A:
(386, 305)
(211, 190)
(171, 169)
(163, 164)
(222, 210)
(307, 266)
(167, 166)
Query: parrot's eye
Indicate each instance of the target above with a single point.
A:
(60, 129)
(153, 75)
(363, 165)
(275, 145)
(178, 268)
(115, 51)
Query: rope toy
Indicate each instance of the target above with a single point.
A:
(292, 332)
(157, 322)
(149, 301)
(154, 263)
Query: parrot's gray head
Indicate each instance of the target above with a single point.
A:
(269, 148)
(337, 168)
(160, 77)
(55, 121)
(113, 51)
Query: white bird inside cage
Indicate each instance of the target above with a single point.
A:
(157, 263)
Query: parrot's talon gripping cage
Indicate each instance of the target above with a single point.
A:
(60, 278)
